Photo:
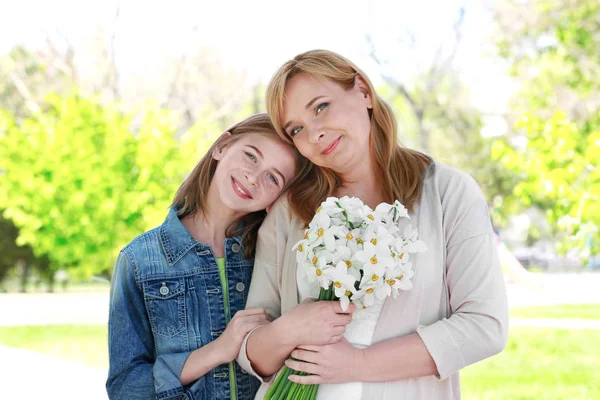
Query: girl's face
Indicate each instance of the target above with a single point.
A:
(328, 124)
(252, 172)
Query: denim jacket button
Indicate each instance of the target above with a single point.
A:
(235, 247)
(240, 287)
(164, 290)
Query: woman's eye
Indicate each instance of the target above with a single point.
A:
(251, 156)
(321, 107)
(295, 131)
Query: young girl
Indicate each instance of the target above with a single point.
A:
(177, 317)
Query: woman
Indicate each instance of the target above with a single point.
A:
(176, 319)
(455, 315)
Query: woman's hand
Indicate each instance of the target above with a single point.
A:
(317, 323)
(334, 363)
(242, 322)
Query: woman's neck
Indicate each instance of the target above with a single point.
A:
(365, 183)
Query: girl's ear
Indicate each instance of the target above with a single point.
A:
(219, 149)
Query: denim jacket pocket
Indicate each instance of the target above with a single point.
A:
(165, 299)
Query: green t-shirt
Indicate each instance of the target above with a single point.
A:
(222, 273)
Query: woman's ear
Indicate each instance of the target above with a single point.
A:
(219, 149)
(361, 85)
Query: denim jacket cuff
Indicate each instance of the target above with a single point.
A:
(167, 370)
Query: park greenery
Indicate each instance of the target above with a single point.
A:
(85, 166)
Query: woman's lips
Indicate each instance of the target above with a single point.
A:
(329, 149)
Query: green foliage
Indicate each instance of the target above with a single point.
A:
(560, 174)
(555, 147)
(82, 179)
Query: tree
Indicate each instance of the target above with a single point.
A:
(555, 145)
(82, 179)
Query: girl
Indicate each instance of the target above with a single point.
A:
(455, 315)
(176, 319)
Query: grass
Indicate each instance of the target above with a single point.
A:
(549, 364)
(538, 363)
(84, 343)
(575, 311)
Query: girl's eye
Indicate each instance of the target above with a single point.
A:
(251, 156)
(321, 107)
(295, 131)
(273, 179)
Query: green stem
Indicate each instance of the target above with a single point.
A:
(276, 384)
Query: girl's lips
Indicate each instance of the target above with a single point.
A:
(239, 189)
(329, 149)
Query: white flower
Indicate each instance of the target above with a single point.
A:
(316, 267)
(375, 261)
(378, 236)
(348, 257)
(366, 295)
(398, 278)
(343, 283)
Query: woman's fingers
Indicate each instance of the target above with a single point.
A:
(301, 366)
(306, 380)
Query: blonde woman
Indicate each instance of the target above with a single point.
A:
(455, 315)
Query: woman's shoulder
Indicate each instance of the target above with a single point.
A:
(451, 182)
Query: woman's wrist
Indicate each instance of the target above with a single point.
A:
(283, 332)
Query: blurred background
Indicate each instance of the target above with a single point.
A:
(106, 105)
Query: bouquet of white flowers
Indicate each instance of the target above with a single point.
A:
(354, 254)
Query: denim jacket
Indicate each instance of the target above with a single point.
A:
(166, 300)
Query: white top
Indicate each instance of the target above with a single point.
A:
(458, 303)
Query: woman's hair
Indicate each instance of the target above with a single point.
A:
(191, 197)
(402, 170)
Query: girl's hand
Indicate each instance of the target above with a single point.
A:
(334, 363)
(317, 323)
(242, 322)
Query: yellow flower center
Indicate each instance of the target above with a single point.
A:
(373, 260)
(374, 241)
(319, 272)
(393, 254)
(319, 209)
(315, 260)
(306, 235)
(359, 241)
(348, 263)
(348, 293)
(349, 236)
(375, 277)
(300, 248)
(370, 290)
(391, 282)
(320, 232)
(400, 256)
(364, 306)
(371, 217)
(399, 277)
(337, 284)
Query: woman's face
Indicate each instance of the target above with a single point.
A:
(328, 124)
(252, 172)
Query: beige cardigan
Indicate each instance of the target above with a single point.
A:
(458, 303)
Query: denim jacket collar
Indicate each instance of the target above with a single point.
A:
(177, 241)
